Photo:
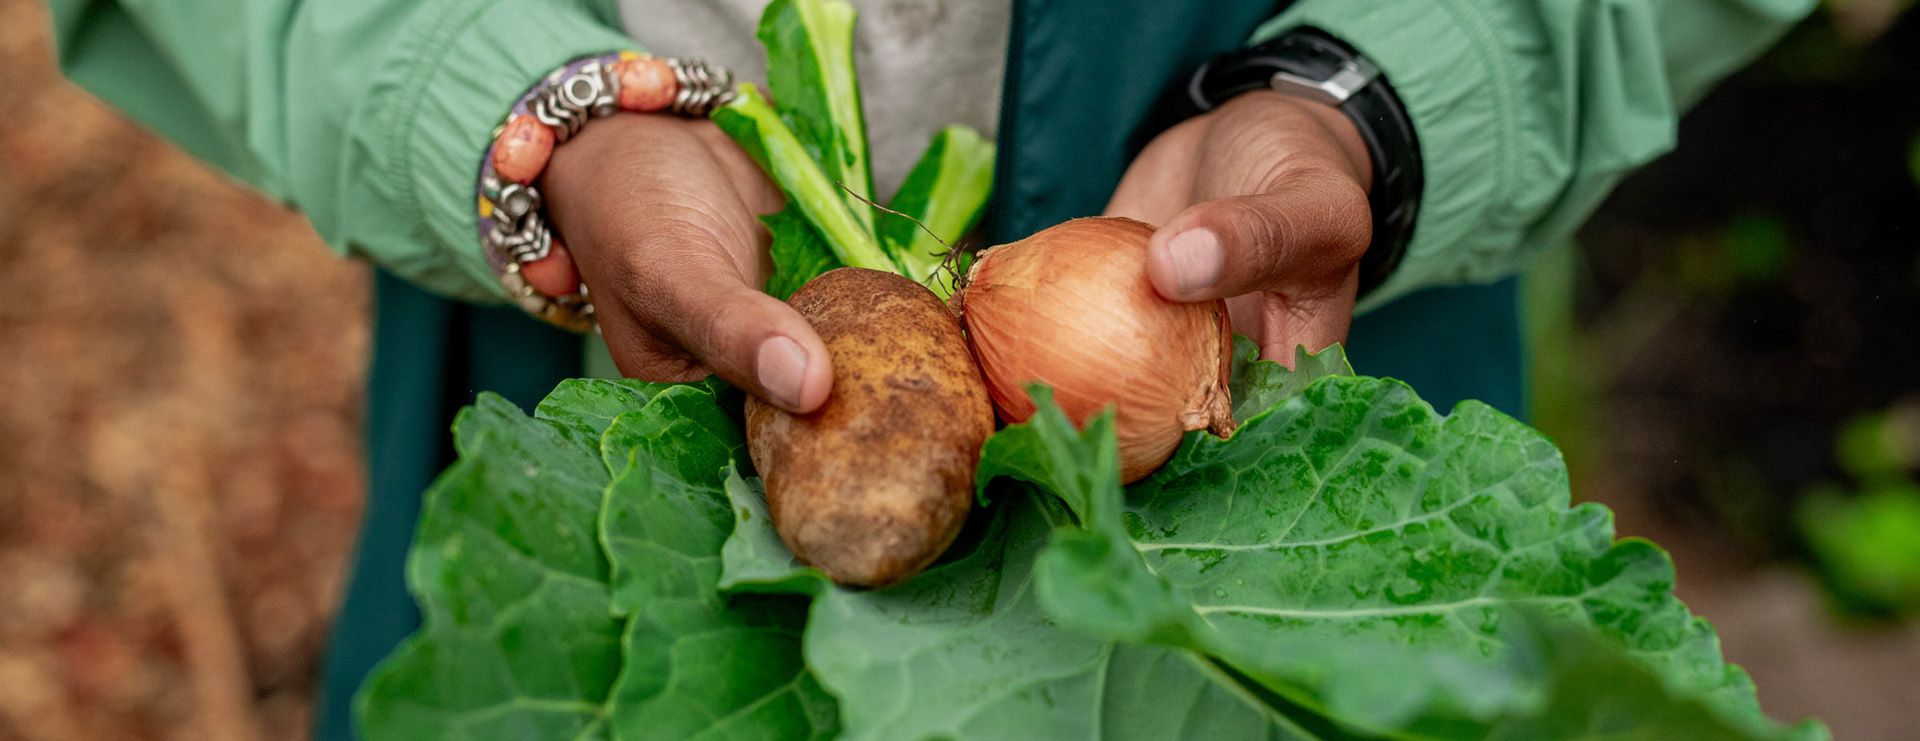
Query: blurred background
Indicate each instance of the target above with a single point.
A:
(1730, 357)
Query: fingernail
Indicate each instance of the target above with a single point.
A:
(782, 368)
(1197, 260)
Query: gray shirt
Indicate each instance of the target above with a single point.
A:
(924, 64)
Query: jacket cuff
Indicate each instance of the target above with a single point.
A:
(462, 78)
(1439, 56)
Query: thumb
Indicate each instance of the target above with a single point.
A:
(1302, 236)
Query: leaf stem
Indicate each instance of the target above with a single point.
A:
(751, 121)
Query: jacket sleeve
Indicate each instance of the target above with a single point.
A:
(370, 116)
(1530, 111)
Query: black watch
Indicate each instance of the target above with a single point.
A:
(1311, 63)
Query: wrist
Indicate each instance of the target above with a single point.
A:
(579, 174)
(1335, 136)
(520, 244)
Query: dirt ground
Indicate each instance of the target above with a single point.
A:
(179, 453)
(180, 473)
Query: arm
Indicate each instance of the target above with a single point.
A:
(368, 115)
(1530, 111)
(372, 116)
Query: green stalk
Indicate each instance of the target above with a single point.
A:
(813, 144)
(752, 122)
(940, 201)
(810, 71)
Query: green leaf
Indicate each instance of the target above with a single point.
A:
(1047, 448)
(945, 193)
(810, 72)
(754, 559)
(685, 430)
(694, 663)
(583, 408)
(517, 639)
(1258, 385)
(753, 123)
(963, 651)
(1600, 691)
(1361, 556)
(799, 255)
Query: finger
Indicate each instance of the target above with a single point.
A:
(1160, 181)
(639, 354)
(752, 340)
(1286, 324)
(1300, 239)
(676, 258)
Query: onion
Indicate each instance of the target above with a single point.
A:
(1072, 307)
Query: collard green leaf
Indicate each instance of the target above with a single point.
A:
(1258, 385)
(517, 640)
(1363, 557)
(944, 193)
(1599, 691)
(684, 431)
(810, 72)
(799, 255)
(963, 651)
(582, 408)
(695, 664)
(753, 559)
(1046, 449)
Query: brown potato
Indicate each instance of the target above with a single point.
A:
(875, 485)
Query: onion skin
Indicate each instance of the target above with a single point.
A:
(1072, 307)
(873, 486)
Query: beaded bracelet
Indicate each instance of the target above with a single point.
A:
(523, 251)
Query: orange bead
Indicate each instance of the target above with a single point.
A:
(647, 84)
(522, 150)
(553, 275)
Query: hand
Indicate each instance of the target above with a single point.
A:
(1263, 202)
(659, 213)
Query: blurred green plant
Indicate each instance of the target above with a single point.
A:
(1879, 449)
(1866, 544)
(1913, 158)
(1867, 547)
(1751, 249)
(1758, 247)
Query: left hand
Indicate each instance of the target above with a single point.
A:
(1263, 202)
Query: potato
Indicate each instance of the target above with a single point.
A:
(873, 486)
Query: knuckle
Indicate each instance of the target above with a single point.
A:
(644, 356)
(1349, 218)
(717, 321)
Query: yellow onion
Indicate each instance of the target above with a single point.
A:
(1072, 307)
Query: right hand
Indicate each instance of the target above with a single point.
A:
(660, 215)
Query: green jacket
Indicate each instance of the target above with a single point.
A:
(371, 116)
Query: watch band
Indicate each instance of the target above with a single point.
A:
(1313, 64)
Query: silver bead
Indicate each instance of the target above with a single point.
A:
(525, 242)
(514, 203)
(567, 103)
(702, 87)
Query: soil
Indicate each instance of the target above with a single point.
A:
(180, 435)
